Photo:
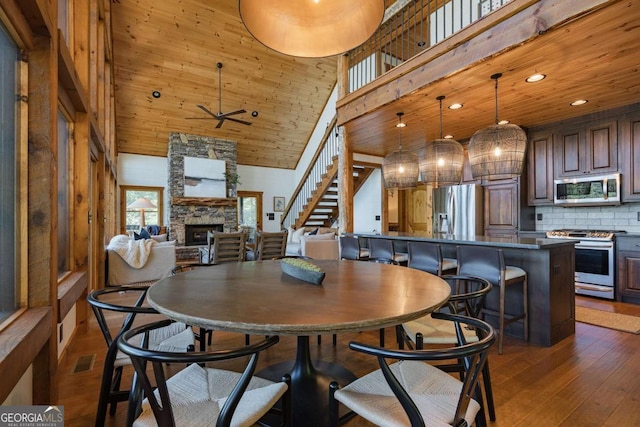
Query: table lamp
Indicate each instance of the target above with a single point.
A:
(142, 203)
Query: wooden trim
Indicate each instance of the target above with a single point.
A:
(17, 25)
(70, 290)
(21, 342)
(69, 79)
(38, 14)
(203, 201)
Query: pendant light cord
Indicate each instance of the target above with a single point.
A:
(496, 77)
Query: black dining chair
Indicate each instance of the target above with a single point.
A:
(467, 298)
(175, 336)
(198, 395)
(425, 393)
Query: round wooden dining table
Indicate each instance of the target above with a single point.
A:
(258, 298)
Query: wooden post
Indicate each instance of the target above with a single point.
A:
(345, 160)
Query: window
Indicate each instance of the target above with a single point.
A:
(250, 212)
(9, 289)
(64, 217)
(133, 218)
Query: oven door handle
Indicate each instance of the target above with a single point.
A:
(590, 287)
(594, 245)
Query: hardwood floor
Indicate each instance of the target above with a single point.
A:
(590, 379)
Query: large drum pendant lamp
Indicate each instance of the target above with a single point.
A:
(441, 160)
(400, 168)
(497, 151)
(311, 28)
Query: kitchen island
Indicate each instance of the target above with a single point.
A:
(549, 264)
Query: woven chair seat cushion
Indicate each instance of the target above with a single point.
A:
(401, 257)
(176, 337)
(434, 392)
(198, 394)
(436, 331)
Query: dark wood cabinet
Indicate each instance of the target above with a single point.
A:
(505, 207)
(588, 149)
(630, 152)
(540, 166)
(628, 260)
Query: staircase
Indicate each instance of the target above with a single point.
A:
(321, 209)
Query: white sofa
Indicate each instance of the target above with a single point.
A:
(162, 259)
(323, 244)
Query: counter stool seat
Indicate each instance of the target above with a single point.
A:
(489, 264)
(383, 249)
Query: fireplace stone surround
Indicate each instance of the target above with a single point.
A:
(220, 213)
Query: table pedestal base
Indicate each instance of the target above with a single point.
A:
(309, 386)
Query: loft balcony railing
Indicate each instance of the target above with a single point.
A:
(408, 28)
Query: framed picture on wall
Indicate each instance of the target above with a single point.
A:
(278, 204)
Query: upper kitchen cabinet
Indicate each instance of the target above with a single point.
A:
(630, 149)
(540, 166)
(588, 149)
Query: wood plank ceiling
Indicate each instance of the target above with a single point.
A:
(592, 57)
(173, 47)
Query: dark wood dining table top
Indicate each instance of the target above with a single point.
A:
(258, 298)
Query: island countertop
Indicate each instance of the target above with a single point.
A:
(499, 242)
(550, 266)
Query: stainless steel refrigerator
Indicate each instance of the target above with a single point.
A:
(458, 211)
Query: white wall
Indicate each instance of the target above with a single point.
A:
(271, 182)
(22, 393)
(367, 204)
(150, 171)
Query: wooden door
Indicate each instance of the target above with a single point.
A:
(630, 151)
(602, 148)
(567, 151)
(420, 216)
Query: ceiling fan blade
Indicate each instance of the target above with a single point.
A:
(198, 118)
(232, 113)
(238, 121)
(206, 110)
(220, 121)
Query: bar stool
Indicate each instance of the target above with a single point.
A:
(383, 249)
(427, 256)
(350, 249)
(489, 264)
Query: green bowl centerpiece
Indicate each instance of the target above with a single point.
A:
(302, 269)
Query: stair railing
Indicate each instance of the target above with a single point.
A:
(322, 159)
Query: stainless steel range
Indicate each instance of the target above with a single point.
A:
(595, 265)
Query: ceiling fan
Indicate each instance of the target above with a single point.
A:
(221, 117)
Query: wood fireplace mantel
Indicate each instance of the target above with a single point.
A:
(203, 201)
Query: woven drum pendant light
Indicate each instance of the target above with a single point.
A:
(311, 28)
(441, 160)
(400, 168)
(497, 151)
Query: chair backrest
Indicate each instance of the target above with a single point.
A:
(135, 344)
(425, 256)
(349, 247)
(467, 294)
(473, 356)
(271, 245)
(481, 261)
(227, 247)
(384, 261)
(381, 248)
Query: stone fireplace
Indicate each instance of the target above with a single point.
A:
(199, 212)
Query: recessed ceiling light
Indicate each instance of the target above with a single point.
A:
(504, 122)
(579, 102)
(455, 106)
(535, 78)
(401, 125)
(448, 137)
(156, 94)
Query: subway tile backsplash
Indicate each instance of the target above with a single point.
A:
(622, 218)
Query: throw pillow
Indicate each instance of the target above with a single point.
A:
(160, 237)
(144, 234)
(297, 234)
(290, 231)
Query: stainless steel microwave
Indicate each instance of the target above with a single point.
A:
(587, 190)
